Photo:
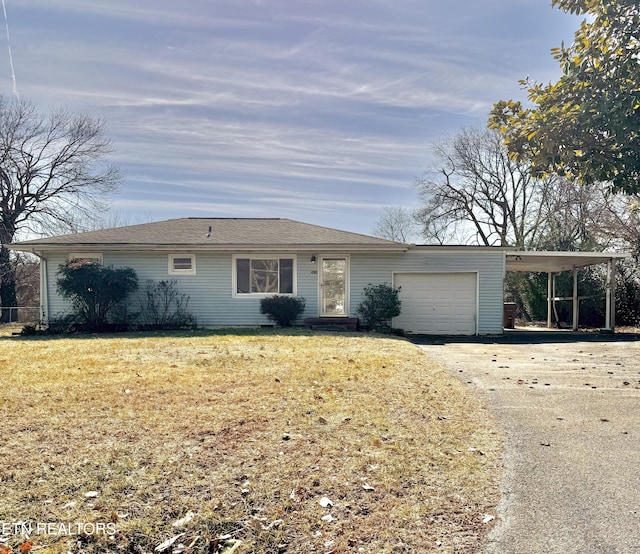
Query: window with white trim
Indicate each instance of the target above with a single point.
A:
(85, 257)
(264, 275)
(182, 264)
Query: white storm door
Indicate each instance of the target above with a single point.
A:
(334, 285)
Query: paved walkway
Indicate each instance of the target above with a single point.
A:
(572, 462)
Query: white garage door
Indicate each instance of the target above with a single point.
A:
(437, 303)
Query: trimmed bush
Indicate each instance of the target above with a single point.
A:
(380, 305)
(283, 310)
(96, 292)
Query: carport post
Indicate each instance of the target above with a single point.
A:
(576, 301)
(549, 296)
(610, 309)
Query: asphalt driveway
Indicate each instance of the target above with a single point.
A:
(571, 408)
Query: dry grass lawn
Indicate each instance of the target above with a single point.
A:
(114, 439)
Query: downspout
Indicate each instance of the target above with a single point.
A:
(44, 290)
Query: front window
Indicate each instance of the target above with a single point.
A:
(264, 276)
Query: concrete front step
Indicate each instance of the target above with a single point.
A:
(332, 323)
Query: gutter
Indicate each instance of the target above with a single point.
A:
(307, 247)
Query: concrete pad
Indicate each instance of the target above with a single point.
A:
(571, 410)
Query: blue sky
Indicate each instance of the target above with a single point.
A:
(322, 111)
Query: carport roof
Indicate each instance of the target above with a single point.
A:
(554, 262)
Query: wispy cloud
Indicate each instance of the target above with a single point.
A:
(319, 107)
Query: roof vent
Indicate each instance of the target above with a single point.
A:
(209, 232)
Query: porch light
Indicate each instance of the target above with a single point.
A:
(313, 259)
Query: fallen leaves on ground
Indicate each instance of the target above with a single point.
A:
(221, 441)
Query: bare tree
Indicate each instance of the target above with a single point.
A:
(397, 223)
(620, 223)
(27, 273)
(480, 193)
(578, 217)
(106, 219)
(51, 170)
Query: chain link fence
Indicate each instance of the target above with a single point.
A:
(20, 314)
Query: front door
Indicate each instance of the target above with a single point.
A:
(334, 281)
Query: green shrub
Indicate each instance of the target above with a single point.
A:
(283, 310)
(381, 303)
(95, 291)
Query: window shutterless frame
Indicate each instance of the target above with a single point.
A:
(85, 256)
(182, 264)
(261, 275)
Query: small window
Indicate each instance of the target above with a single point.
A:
(182, 264)
(85, 257)
(264, 276)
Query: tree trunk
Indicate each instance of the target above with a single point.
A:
(7, 288)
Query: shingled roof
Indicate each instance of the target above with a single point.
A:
(214, 234)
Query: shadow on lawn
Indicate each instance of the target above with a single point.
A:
(12, 332)
(518, 336)
(528, 337)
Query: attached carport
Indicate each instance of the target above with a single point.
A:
(553, 263)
